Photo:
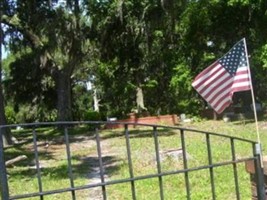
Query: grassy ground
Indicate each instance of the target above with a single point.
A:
(52, 154)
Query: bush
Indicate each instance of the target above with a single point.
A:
(10, 115)
(92, 116)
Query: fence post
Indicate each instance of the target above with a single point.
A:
(257, 174)
(3, 175)
(259, 171)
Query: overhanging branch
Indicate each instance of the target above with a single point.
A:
(14, 22)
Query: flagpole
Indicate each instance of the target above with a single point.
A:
(253, 104)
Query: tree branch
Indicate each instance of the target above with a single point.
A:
(14, 22)
(14, 160)
(35, 40)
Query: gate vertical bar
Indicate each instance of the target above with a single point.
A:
(3, 179)
(261, 195)
(155, 134)
(211, 168)
(130, 161)
(235, 170)
(36, 155)
(3, 175)
(186, 177)
(69, 162)
(104, 193)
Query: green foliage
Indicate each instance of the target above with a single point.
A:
(31, 113)
(151, 83)
(92, 116)
(239, 2)
(26, 114)
(6, 66)
(26, 83)
(181, 78)
(181, 85)
(159, 46)
(10, 115)
(82, 101)
(263, 56)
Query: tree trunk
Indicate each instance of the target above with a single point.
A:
(140, 99)
(96, 101)
(6, 133)
(63, 85)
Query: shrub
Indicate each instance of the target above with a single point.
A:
(10, 115)
(92, 116)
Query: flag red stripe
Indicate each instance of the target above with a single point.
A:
(223, 98)
(218, 88)
(225, 105)
(214, 83)
(205, 71)
(218, 92)
(209, 80)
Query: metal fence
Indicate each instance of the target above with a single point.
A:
(154, 132)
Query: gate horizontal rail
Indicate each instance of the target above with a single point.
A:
(65, 126)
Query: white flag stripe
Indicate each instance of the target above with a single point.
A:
(241, 84)
(241, 76)
(240, 69)
(206, 76)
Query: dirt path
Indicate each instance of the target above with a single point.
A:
(94, 178)
(94, 175)
(83, 149)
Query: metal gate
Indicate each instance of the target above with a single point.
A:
(154, 133)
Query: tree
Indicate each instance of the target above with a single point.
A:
(57, 36)
(138, 41)
(142, 54)
(217, 26)
(5, 132)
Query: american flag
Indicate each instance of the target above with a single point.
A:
(218, 82)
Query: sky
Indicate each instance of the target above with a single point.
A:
(4, 53)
